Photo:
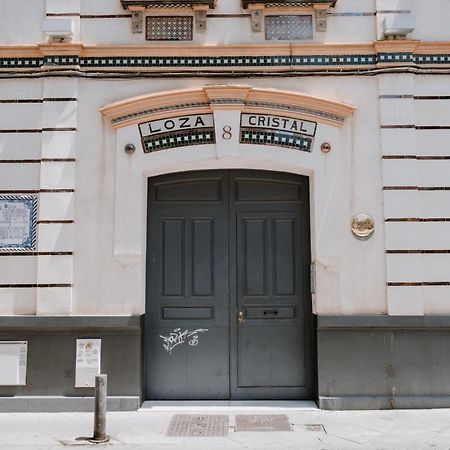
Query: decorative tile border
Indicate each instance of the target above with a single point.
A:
(179, 139)
(196, 62)
(18, 219)
(276, 138)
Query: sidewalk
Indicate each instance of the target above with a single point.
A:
(311, 429)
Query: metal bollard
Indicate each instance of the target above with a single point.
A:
(101, 384)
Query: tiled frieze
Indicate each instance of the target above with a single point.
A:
(296, 62)
(276, 138)
(179, 139)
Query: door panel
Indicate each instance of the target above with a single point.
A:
(222, 243)
(271, 337)
(187, 331)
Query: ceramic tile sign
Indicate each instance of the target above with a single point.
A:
(18, 223)
(88, 362)
(178, 131)
(289, 132)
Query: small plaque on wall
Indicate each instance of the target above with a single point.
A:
(87, 362)
(13, 363)
(18, 223)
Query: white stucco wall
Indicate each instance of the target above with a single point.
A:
(389, 160)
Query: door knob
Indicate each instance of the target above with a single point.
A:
(241, 319)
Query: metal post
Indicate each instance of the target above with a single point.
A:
(101, 383)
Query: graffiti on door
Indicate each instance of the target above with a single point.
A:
(178, 337)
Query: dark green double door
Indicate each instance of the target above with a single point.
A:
(228, 312)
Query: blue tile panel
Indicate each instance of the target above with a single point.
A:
(188, 62)
(276, 138)
(179, 139)
(29, 203)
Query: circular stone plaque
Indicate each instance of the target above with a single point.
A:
(363, 226)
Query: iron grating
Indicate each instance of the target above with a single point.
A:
(278, 422)
(169, 28)
(288, 27)
(198, 425)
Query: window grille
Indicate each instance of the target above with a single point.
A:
(169, 28)
(288, 27)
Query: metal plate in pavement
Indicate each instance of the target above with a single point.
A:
(266, 422)
(198, 425)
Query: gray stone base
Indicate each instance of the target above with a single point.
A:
(65, 404)
(50, 377)
(382, 362)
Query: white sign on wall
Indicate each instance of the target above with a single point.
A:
(279, 123)
(17, 222)
(88, 362)
(183, 123)
(13, 363)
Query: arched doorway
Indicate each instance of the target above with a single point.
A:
(228, 307)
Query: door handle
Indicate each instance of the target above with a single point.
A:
(240, 317)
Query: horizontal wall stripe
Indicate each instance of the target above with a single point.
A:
(36, 285)
(388, 127)
(105, 16)
(433, 188)
(418, 158)
(20, 161)
(352, 14)
(59, 129)
(419, 283)
(417, 251)
(22, 100)
(399, 157)
(393, 11)
(56, 190)
(36, 130)
(60, 99)
(227, 16)
(417, 219)
(55, 221)
(36, 253)
(432, 127)
(33, 191)
(416, 188)
(414, 97)
(17, 191)
(39, 100)
(35, 161)
(432, 97)
(30, 130)
(58, 160)
(400, 188)
(59, 14)
(393, 96)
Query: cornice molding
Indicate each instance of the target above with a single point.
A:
(82, 50)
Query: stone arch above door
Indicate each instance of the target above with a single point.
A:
(224, 97)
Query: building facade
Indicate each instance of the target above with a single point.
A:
(226, 199)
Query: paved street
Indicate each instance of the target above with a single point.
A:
(311, 429)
